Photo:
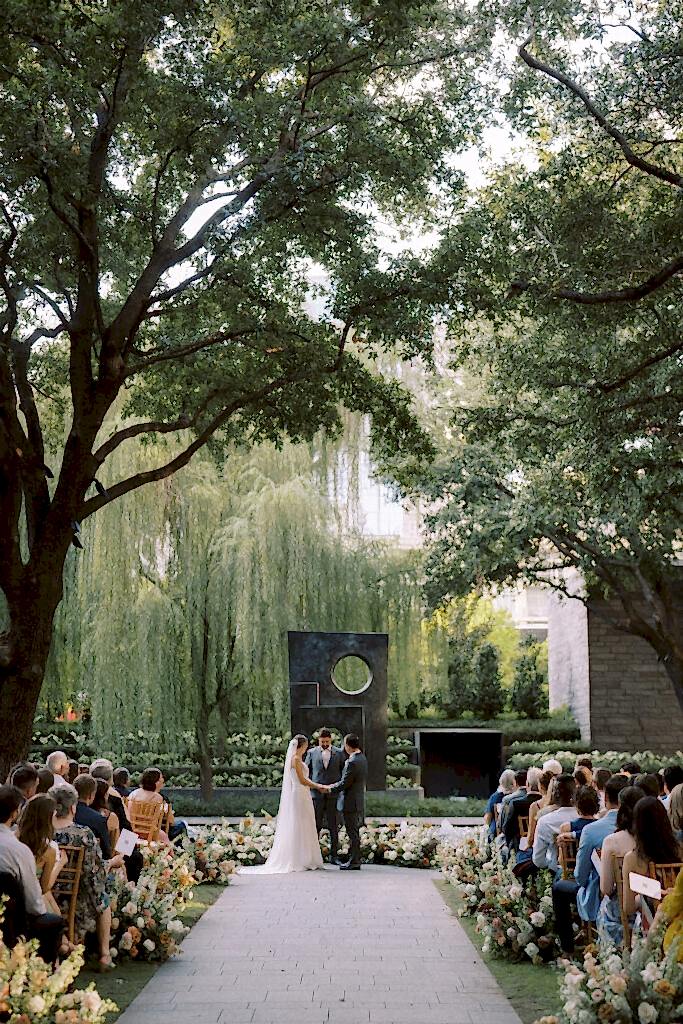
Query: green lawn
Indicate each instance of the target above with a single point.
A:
(533, 991)
(130, 977)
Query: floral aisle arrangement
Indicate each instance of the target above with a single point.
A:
(145, 922)
(31, 990)
(642, 985)
(403, 844)
(516, 922)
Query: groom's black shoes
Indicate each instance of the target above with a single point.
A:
(349, 867)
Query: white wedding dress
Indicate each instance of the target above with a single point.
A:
(296, 846)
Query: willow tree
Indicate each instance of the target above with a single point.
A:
(170, 169)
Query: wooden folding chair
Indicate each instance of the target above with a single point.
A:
(666, 875)
(567, 857)
(67, 885)
(145, 819)
(618, 859)
(523, 827)
(166, 817)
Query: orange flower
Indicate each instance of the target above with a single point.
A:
(665, 988)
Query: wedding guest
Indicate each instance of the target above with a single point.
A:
(121, 780)
(86, 788)
(100, 804)
(673, 776)
(618, 844)
(675, 811)
(93, 913)
(584, 889)
(25, 778)
(582, 777)
(46, 780)
(655, 843)
(17, 860)
(548, 826)
(152, 781)
(520, 808)
(544, 804)
(648, 783)
(630, 768)
(600, 779)
(103, 771)
(553, 766)
(587, 806)
(58, 763)
(584, 761)
(506, 785)
(517, 794)
(35, 829)
(73, 771)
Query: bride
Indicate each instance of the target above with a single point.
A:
(296, 846)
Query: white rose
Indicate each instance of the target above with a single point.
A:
(130, 909)
(515, 892)
(140, 923)
(36, 1004)
(647, 1013)
(531, 950)
(537, 919)
(651, 973)
(149, 945)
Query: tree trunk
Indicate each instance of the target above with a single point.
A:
(673, 666)
(204, 749)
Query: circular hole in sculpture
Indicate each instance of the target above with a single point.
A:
(351, 674)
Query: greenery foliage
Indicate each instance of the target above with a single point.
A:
(528, 695)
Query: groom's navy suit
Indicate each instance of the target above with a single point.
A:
(325, 804)
(351, 801)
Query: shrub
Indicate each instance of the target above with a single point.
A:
(528, 694)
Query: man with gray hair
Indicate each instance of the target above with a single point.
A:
(58, 763)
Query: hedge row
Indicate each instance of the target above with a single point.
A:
(610, 759)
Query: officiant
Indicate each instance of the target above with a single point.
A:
(326, 764)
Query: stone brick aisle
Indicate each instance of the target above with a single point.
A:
(340, 947)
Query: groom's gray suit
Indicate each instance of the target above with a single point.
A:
(325, 804)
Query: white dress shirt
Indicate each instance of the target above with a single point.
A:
(547, 828)
(326, 756)
(17, 860)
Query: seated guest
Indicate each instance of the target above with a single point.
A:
(17, 860)
(655, 843)
(600, 780)
(630, 768)
(584, 761)
(648, 783)
(582, 777)
(46, 780)
(35, 829)
(151, 783)
(103, 771)
(121, 781)
(518, 792)
(93, 913)
(86, 788)
(520, 808)
(73, 771)
(506, 785)
(58, 763)
(101, 805)
(25, 778)
(673, 776)
(553, 766)
(618, 844)
(584, 889)
(548, 826)
(587, 806)
(545, 784)
(670, 913)
(675, 810)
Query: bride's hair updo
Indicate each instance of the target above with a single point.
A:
(300, 740)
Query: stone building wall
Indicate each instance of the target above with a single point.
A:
(612, 681)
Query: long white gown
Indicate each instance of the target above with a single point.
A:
(296, 846)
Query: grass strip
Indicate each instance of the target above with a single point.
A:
(533, 991)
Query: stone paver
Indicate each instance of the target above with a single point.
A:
(334, 947)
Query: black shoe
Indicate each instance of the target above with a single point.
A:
(338, 861)
(349, 867)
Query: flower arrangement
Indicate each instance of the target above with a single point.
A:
(404, 844)
(463, 865)
(31, 990)
(642, 985)
(145, 922)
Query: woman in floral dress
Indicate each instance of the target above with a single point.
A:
(92, 907)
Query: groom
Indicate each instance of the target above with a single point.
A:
(351, 800)
(325, 764)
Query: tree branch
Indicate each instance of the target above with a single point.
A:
(631, 293)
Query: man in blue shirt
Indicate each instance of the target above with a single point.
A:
(584, 892)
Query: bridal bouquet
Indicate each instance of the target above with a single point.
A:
(31, 990)
(643, 985)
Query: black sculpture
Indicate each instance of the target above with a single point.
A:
(316, 699)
